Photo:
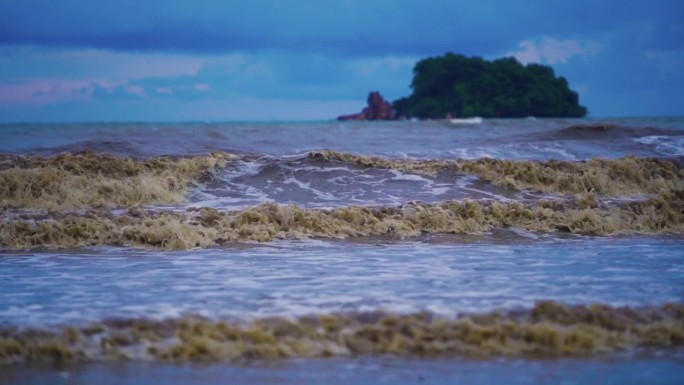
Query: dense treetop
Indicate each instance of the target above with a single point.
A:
(462, 87)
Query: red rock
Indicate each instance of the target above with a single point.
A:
(378, 109)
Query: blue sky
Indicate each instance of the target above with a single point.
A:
(172, 60)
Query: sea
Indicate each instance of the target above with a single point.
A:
(357, 256)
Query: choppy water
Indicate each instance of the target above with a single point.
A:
(273, 167)
(495, 138)
(444, 274)
(298, 278)
(316, 183)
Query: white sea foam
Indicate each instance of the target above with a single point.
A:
(524, 234)
(439, 190)
(666, 145)
(398, 175)
(307, 186)
(465, 182)
(466, 121)
(287, 278)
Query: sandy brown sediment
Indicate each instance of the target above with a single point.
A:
(618, 177)
(548, 330)
(89, 179)
(95, 180)
(603, 130)
(204, 227)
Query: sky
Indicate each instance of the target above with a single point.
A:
(209, 60)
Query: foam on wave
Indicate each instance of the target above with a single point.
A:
(205, 227)
(619, 177)
(548, 330)
(89, 179)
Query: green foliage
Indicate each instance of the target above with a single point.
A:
(461, 86)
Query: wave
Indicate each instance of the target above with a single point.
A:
(668, 145)
(94, 184)
(624, 176)
(607, 130)
(113, 147)
(206, 227)
(91, 179)
(548, 330)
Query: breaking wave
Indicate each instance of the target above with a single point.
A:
(601, 131)
(90, 179)
(208, 227)
(548, 330)
(99, 199)
(625, 176)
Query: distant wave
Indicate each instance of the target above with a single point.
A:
(513, 139)
(607, 130)
(119, 147)
(475, 120)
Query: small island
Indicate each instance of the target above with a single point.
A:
(459, 86)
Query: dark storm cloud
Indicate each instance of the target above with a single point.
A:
(349, 28)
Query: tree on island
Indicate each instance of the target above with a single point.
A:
(458, 86)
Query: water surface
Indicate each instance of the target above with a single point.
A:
(448, 275)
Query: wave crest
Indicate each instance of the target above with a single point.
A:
(549, 329)
(207, 227)
(89, 179)
(618, 177)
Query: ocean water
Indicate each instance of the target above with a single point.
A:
(494, 138)
(447, 275)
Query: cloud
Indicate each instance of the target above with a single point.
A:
(551, 51)
(45, 91)
(26, 61)
(35, 75)
(136, 90)
(346, 28)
